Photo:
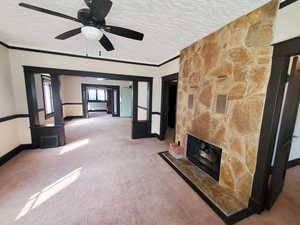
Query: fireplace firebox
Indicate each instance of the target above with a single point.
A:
(204, 155)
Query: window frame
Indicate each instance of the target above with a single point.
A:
(97, 100)
(47, 78)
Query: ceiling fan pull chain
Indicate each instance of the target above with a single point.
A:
(86, 48)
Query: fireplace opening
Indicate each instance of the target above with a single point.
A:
(204, 155)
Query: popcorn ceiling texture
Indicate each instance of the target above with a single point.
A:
(234, 61)
(168, 25)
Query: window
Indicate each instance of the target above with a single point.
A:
(47, 95)
(101, 96)
(92, 95)
(97, 94)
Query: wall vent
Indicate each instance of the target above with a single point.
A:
(48, 141)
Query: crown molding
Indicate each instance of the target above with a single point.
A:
(87, 57)
(169, 60)
(286, 3)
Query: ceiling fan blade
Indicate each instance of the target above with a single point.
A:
(47, 11)
(124, 32)
(69, 34)
(105, 42)
(100, 8)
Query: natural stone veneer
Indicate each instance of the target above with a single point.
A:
(235, 61)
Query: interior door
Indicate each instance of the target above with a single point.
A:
(126, 102)
(141, 121)
(109, 101)
(285, 135)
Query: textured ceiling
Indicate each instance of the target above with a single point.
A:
(168, 25)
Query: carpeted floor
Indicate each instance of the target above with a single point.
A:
(102, 177)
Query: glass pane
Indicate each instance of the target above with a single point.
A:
(143, 101)
(48, 97)
(45, 110)
(92, 95)
(101, 95)
(115, 102)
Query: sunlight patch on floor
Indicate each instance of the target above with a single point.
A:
(48, 192)
(74, 145)
(80, 122)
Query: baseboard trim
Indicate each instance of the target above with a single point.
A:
(293, 163)
(255, 206)
(101, 110)
(73, 117)
(155, 136)
(8, 156)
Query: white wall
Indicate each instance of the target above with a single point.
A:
(6, 91)
(9, 138)
(97, 106)
(12, 83)
(19, 58)
(71, 92)
(71, 86)
(287, 23)
(167, 69)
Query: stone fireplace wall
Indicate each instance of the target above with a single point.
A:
(234, 61)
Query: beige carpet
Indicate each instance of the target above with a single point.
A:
(102, 177)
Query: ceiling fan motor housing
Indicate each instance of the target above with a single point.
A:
(84, 15)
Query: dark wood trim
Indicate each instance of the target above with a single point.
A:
(155, 136)
(101, 110)
(12, 117)
(41, 110)
(4, 44)
(85, 101)
(73, 117)
(155, 113)
(8, 156)
(96, 101)
(88, 57)
(227, 219)
(141, 107)
(293, 163)
(76, 56)
(286, 3)
(164, 102)
(29, 72)
(273, 104)
(72, 103)
(169, 60)
(286, 48)
(111, 76)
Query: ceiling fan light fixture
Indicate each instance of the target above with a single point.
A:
(91, 33)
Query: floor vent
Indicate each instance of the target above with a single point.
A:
(49, 141)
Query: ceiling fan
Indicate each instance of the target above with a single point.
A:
(93, 20)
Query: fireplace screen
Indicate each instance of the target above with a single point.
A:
(204, 155)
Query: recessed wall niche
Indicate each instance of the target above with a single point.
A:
(221, 104)
(190, 101)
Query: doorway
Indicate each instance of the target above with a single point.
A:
(168, 107)
(98, 100)
(287, 148)
(53, 135)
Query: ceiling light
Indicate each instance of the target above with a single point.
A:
(100, 78)
(91, 33)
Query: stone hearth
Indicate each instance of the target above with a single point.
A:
(221, 200)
